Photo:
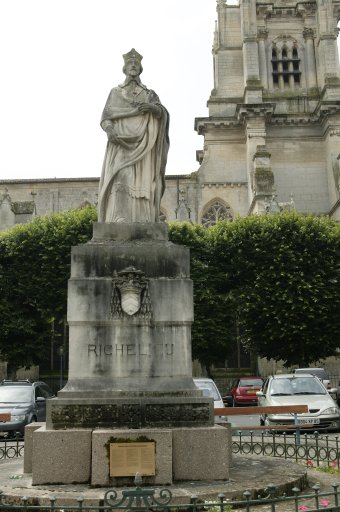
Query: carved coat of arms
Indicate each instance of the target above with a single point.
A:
(130, 294)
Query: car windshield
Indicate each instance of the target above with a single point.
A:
(296, 386)
(208, 389)
(244, 383)
(15, 394)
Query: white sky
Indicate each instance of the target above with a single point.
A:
(59, 60)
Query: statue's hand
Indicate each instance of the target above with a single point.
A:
(150, 108)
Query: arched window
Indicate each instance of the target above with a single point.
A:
(285, 67)
(214, 212)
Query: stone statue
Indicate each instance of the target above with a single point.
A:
(137, 124)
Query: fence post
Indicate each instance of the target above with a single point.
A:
(297, 431)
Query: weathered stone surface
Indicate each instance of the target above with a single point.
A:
(61, 456)
(201, 453)
(28, 447)
(154, 259)
(110, 346)
(147, 412)
(138, 231)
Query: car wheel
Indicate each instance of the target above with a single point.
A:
(234, 404)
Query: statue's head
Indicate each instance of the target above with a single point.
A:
(132, 63)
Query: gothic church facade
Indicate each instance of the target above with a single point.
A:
(272, 135)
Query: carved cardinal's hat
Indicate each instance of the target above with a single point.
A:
(132, 54)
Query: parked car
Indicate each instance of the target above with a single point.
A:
(209, 388)
(299, 389)
(21, 403)
(318, 372)
(243, 391)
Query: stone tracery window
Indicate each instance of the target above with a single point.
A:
(214, 212)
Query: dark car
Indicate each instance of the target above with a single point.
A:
(21, 403)
(244, 390)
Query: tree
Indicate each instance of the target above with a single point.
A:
(273, 279)
(213, 331)
(282, 279)
(34, 269)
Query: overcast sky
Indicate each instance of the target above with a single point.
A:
(59, 60)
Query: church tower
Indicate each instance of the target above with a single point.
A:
(272, 138)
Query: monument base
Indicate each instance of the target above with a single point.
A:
(82, 455)
(129, 412)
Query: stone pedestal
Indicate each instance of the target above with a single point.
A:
(81, 456)
(130, 309)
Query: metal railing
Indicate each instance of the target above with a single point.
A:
(314, 449)
(146, 499)
(11, 448)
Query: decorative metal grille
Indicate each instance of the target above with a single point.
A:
(314, 450)
(150, 500)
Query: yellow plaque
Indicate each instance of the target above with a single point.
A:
(127, 459)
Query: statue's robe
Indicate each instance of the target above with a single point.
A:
(133, 178)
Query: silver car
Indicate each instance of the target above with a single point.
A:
(209, 389)
(294, 389)
(21, 403)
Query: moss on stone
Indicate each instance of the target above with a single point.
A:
(263, 172)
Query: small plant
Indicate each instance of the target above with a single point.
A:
(333, 469)
(214, 507)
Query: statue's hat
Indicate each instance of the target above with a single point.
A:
(132, 54)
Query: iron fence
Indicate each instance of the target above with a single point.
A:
(146, 499)
(11, 448)
(314, 449)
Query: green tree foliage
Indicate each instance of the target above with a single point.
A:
(213, 328)
(281, 276)
(274, 279)
(34, 269)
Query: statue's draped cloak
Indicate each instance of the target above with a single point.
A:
(133, 178)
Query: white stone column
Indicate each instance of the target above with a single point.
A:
(262, 35)
(308, 34)
(270, 68)
(330, 53)
(280, 70)
(290, 68)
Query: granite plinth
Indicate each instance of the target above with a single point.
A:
(61, 457)
(147, 412)
(82, 455)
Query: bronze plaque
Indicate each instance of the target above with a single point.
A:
(5, 417)
(127, 459)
